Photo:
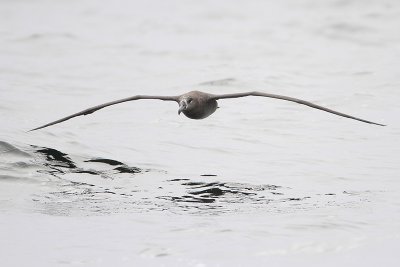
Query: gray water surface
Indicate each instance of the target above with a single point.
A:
(261, 182)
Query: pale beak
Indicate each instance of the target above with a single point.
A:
(182, 106)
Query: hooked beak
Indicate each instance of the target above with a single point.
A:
(182, 106)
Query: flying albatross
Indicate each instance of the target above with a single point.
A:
(198, 105)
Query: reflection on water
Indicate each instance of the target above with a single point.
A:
(60, 163)
(182, 193)
(204, 192)
(76, 185)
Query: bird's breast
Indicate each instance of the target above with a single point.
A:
(202, 111)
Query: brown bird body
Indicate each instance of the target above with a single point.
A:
(197, 105)
(200, 105)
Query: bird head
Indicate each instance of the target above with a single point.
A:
(186, 104)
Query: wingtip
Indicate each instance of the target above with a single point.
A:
(37, 128)
(379, 124)
(31, 130)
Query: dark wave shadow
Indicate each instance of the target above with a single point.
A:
(77, 185)
(215, 198)
(210, 192)
(60, 163)
(80, 194)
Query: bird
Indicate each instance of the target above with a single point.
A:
(199, 105)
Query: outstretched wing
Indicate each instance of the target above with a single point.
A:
(287, 98)
(96, 108)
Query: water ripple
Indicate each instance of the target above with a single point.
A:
(76, 185)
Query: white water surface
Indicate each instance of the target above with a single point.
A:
(261, 182)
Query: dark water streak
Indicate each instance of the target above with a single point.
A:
(78, 187)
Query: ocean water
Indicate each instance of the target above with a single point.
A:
(260, 182)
